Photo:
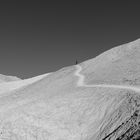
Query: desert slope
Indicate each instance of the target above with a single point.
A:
(98, 99)
(4, 78)
(120, 65)
(16, 84)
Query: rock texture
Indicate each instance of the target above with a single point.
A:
(98, 99)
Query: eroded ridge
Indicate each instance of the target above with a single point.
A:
(129, 129)
(81, 78)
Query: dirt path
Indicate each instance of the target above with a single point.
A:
(80, 82)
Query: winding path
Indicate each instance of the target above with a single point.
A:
(81, 83)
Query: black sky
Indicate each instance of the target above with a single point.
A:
(37, 38)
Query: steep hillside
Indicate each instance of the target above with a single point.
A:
(98, 99)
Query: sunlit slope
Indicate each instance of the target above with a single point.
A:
(4, 78)
(56, 107)
(15, 85)
(120, 65)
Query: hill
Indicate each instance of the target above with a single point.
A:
(98, 99)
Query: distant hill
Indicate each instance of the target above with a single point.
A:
(4, 78)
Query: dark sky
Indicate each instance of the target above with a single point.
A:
(37, 38)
